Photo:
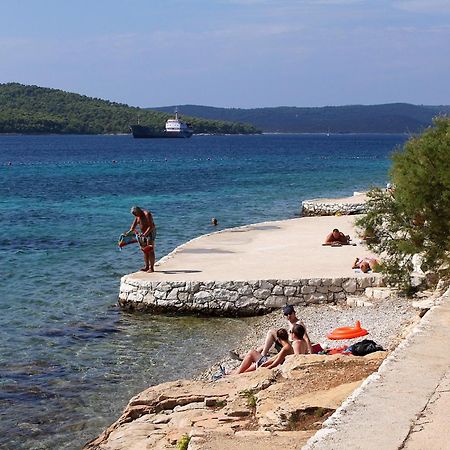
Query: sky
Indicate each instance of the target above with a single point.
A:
(231, 53)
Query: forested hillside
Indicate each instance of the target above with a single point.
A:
(33, 109)
(388, 118)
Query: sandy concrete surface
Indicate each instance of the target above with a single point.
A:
(287, 249)
(432, 429)
(406, 403)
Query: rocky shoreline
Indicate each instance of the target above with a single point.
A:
(268, 409)
(254, 410)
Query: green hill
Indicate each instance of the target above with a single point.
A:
(33, 109)
(388, 118)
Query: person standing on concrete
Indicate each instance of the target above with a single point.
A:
(146, 237)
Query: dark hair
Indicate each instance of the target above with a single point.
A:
(288, 309)
(298, 330)
(335, 230)
(282, 334)
(136, 210)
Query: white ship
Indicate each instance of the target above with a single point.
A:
(175, 128)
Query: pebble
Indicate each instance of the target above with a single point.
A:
(385, 320)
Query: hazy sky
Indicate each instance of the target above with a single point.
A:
(231, 53)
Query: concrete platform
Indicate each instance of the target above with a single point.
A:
(252, 270)
(287, 249)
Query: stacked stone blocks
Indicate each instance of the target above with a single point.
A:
(317, 208)
(237, 298)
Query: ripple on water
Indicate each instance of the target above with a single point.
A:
(70, 361)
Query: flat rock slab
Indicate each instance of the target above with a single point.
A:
(260, 410)
(287, 249)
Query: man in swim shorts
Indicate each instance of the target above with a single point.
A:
(337, 238)
(146, 237)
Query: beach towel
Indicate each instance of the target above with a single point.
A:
(342, 350)
(127, 239)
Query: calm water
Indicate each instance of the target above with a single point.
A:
(70, 359)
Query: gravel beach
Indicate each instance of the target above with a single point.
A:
(387, 321)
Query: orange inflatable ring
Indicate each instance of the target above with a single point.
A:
(348, 332)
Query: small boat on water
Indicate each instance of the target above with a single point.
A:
(175, 128)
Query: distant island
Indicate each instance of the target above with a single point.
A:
(387, 118)
(28, 109)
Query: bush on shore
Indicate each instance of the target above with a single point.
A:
(414, 216)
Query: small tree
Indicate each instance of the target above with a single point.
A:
(414, 218)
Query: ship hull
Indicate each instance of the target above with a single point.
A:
(141, 132)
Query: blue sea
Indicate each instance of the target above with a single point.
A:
(70, 359)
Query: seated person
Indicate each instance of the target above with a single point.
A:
(299, 344)
(253, 359)
(337, 238)
(366, 264)
(271, 337)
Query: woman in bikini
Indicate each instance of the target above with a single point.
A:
(299, 344)
(253, 359)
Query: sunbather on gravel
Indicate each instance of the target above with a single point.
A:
(299, 344)
(289, 313)
(253, 359)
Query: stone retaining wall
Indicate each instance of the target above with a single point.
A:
(237, 298)
(317, 208)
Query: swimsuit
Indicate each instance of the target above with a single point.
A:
(147, 240)
(261, 360)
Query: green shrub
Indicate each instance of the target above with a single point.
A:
(415, 217)
(250, 396)
(183, 442)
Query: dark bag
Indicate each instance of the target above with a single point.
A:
(365, 347)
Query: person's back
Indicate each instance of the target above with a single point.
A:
(366, 264)
(299, 344)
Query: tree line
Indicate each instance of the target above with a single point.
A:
(386, 118)
(32, 109)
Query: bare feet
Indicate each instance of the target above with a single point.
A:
(143, 269)
(151, 270)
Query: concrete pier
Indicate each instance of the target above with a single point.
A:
(252, 269)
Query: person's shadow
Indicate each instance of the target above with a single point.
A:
(172, 272)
